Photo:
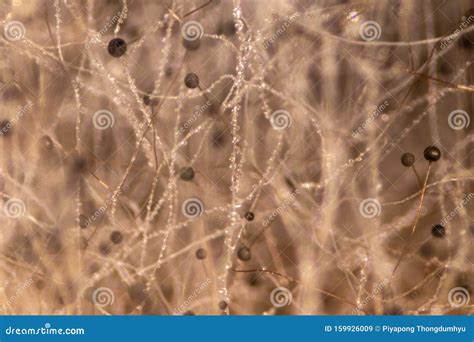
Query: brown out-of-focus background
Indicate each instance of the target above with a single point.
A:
(238, 157)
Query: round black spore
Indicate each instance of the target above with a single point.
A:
(432, 153)
(218, 139)
(116, 237)
(227, 28)
(468, 14)
(438, 231)
(93, 268)
(117, 47)
(40, 284)
(244, 254)
(394, 310)
(467, 41)
(191, 80)
(146, 100)
(78, 164)
(192, 45)
(137, 291)
(168, 71)
(249, 216)
(54, 244)
(222, 305)
(186, 173)
(5, 128)
(426, 250)
(83, 221)
(253, 280)
(104, 248)
(408, 159)
(201, 254)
